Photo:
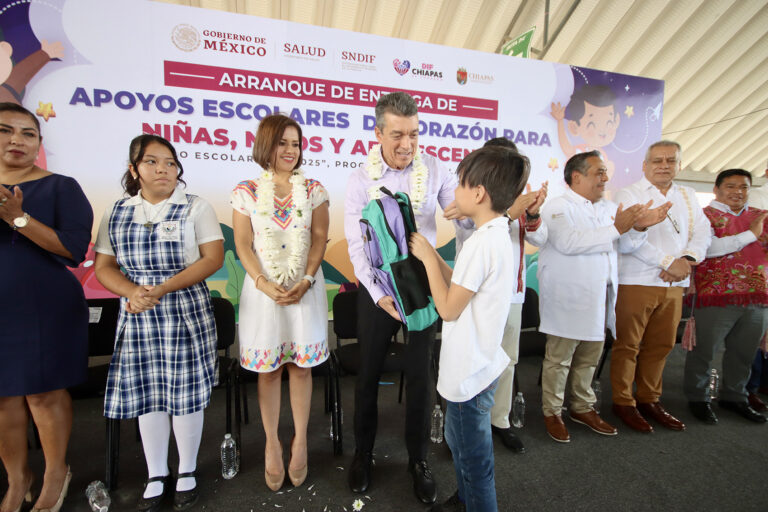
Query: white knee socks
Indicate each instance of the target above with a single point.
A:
(188, 430)
(155, 430)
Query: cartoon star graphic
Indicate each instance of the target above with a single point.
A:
(553, 164)
(45, 110)
(629, 111)
(626, 87)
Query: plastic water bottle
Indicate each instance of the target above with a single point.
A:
(230, 457)
(436, 433)
(714, 384)
(598, 395)
(98, 496)
(518, 411)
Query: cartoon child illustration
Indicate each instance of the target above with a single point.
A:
(15, 78)
(591, 116)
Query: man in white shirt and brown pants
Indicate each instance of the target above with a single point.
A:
(651, 283)
(578, 277)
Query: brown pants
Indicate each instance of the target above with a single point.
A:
(646, 327)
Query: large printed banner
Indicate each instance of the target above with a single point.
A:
(98, 72)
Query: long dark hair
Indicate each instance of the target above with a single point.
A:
(136, 152)
(8, 106)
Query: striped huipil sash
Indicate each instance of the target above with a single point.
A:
(165, 358)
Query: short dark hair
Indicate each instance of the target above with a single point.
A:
(502, 172)
(398, 103)
(136, 152)
(732, 172)
(597, 95)
(268, 136)
(578, 163)
(501, 141)
(8, 106)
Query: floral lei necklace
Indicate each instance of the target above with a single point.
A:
(419, 177)
(299, 238)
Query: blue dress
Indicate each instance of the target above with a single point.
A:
(43, 313)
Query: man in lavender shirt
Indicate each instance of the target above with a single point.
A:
(397, 165)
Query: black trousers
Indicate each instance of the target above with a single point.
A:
(375, 329)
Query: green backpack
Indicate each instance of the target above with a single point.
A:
(387, 225)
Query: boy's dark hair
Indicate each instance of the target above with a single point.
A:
(136, 152)
(501, 141)
(502, 172)
(732, 172)
(597, 95)
(578, 163)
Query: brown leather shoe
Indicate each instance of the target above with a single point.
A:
(632, 418)
(593, 421)
(556, 429)
(756, 403)
(657, 412)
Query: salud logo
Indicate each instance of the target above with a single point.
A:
(401, 67)
(461, 76)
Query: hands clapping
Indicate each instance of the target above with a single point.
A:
(529, 203)
(652, 216)
(756, 226)
(625, 219)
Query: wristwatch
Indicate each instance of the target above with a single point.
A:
(20, 222)
(311, 280)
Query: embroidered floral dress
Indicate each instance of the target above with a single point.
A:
(272, 335)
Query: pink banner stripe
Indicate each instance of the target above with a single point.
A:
(214, 78)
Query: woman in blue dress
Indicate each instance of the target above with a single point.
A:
(164, 364)
(43, 314)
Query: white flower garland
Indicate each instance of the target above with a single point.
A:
(419, 177)
(299, 237)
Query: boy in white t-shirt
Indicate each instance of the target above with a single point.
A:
(473, 300)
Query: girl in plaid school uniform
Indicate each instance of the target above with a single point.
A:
(164, 364)
(280, 222)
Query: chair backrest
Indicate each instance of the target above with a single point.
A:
(224, 316)
(345, 315)
(102, 326)
(530, 315)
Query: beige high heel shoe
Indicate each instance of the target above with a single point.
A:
(27, 495)
(274, 482)
(299, 475)
(62, 495)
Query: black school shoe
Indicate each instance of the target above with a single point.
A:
(183, 500)
(154, 503)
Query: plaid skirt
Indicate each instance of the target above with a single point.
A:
(165, 358)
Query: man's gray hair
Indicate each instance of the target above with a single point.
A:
(664, 143)
(398, 103)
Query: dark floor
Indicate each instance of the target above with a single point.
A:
(705, 468)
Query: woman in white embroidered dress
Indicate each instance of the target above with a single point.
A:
(281, 228)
